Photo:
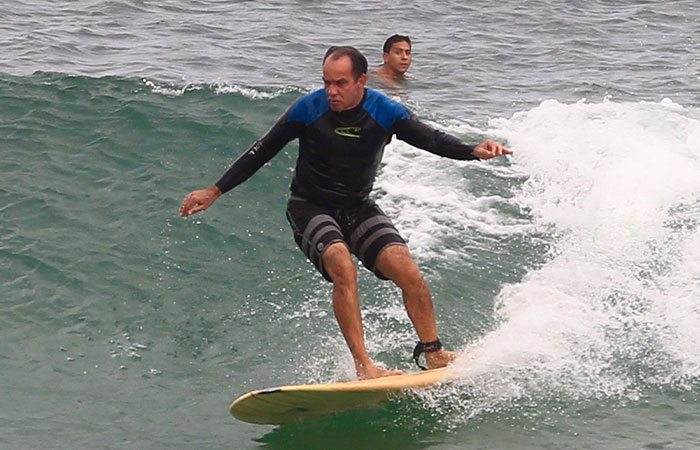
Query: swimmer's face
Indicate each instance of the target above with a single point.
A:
(342, 89)
(398, 59)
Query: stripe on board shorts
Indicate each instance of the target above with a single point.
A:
(365, 229)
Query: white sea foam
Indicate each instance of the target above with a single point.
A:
(174, 90)
(430, 199)
(616, 308)
(171, 90)
(255, 94)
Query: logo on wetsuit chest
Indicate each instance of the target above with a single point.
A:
(353, 132)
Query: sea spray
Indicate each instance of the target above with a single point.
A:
(615, 308)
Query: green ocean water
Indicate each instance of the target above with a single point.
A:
(119, 312)
(126, 326)
(567, 273)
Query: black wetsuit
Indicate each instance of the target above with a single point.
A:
(339, 155)
(340, 152)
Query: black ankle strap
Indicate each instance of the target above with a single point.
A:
(425, 347)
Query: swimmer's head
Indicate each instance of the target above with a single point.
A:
(393, 40)
(397, 55)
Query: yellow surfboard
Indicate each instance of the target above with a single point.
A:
(298, 402)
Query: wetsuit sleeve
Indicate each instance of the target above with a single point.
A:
(260, 152)
(420, 135)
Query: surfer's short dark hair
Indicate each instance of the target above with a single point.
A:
(393, 40)
(359, 62)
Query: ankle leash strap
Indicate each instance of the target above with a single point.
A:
(425, 347)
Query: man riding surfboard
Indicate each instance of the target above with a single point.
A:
(342, 131)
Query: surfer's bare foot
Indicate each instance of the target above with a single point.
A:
(370, 371)
(440, 358)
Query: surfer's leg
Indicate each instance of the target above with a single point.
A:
(339, 265)
(396, 263)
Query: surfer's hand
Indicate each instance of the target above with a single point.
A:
(199, 200)
(490, 149)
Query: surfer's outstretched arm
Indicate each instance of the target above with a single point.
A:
(423, 136)
(262, 151)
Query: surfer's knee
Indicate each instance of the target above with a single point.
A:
(337, 261)
(413, 281)
(397, 264)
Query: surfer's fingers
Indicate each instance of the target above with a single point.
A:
(184, 208)
(200, 207)
(187, 204)
(497, 149)
(503, 151)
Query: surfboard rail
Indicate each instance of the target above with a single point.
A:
(285, 404)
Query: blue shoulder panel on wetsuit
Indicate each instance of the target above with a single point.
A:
(310, 107)
(384, 110)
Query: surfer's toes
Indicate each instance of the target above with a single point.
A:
(440, 358)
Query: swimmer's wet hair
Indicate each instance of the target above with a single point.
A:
(359, 62)
(393, 40)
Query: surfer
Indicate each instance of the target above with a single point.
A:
(397, 57)
(342, 131)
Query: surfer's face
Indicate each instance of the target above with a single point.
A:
(398, 59)
(342, 89)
